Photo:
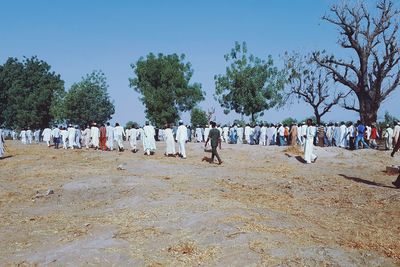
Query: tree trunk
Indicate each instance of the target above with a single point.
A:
(317, 118)
(368, 110)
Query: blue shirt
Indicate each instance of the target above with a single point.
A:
(361, 130)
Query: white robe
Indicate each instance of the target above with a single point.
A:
(225, 134)
(239, 133)
(309, 155)
(170, 142)
(247, 133)
(343, 133)
(95, 135)
(1, 144)
(46, 135)
(64, 135)
(71, 137)
(133, 138)
(118, 135)
(23, 136)
(29, 136)
(199, 135)
(206, 132)
(263, 136)
(396, 133)
(86, 137)
(110, 137)
(181, 138)
(149, 143)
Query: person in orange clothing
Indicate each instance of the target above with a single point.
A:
(103, 137)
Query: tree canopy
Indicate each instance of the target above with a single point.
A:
(164, 84)
(198, 117)
(250, 85)
(88, 101)
(28, 90)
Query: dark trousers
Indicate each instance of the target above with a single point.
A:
(214, 153)
(56, 142)
(397, 146)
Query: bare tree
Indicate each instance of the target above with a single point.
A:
(311, 83)
(210, 113)
(374, 73)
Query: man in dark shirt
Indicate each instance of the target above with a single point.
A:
(215, 137)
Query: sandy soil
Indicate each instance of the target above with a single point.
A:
(262, 207)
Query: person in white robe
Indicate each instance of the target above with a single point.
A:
(198, 134)
(86, 135)
(56, 134)
(396, 132)
(36, 135)
(110, 137)
(22, 134)
(263, 135)
(239, 134)
(343, 135)
(149, 143)
(95, 136)
(119, 134)
(225, 133)
(329, 134)
(64, 136)
(388, 135)
(247, 133)
(46, 136)
(133, 138)
(182, 138)
(309, 155)
(127, 133)
(14, 135)
(169, 142)
(140, 134)
(206, 132)
(71, 136)
(78, 136)
(29, 135)
(2, 150)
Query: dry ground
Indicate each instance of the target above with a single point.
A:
(262, 207)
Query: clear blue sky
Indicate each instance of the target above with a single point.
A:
(76, 37)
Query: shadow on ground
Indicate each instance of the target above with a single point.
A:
(363, 181)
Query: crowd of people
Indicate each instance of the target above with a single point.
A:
(306, 134)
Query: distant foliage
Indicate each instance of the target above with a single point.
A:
(88, 101)
(198, 117)
(28, 91)
(250, 85)
(289, 121)
(164, 84)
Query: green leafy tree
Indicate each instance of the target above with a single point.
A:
(88, 101)
(28, 89)
(163, 82)
(250, 85)
(289, 121)
(198, 117)
(389, 119)
(129, 124)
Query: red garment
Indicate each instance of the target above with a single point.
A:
(374, 134)
(103, 138)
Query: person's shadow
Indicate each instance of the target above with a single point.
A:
(363, 181)
(6, 157)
